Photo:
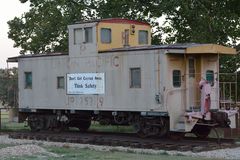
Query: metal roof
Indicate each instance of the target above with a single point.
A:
(188, 48)
(15, 59)
(153, 47)
(114, 20)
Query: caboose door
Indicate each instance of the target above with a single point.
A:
(175, 96)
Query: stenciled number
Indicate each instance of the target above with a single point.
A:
(87, 101)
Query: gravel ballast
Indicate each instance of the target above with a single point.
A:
(24, 150)
(33, 147)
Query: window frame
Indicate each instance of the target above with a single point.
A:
(110, 36)
(59, 82)
(141, 42)
(27, 84)
(176, 84)
(76, 35)
(85, 35)
(82, 37)
(133, 83)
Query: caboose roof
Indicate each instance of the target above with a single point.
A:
(210, 48)
(186, 48)
(15, 59)
(115, 20)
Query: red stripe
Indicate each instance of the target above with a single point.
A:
(124, 21)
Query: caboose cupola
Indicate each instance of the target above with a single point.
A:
(101, 35)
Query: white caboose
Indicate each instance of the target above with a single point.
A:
(113, 74)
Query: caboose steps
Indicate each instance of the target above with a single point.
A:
(180, 125)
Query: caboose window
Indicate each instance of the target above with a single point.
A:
(88, 35)
(78, 36)
(60, 82)
(28, 80)
(210, 77)
(176, 78)
(143, 37)
(106, 36)
(135, 77)
(83, 35)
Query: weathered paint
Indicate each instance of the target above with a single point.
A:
(44, 92)
(117, 31)
(118, 94)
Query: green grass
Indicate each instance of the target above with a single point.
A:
(11, 126)
(4, 146)
(95, 126)
(86, 154)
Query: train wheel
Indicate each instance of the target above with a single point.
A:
(141, 128)
(146, 127)
(83, 125)
(60, 127)
(142, 134)
(148, 131)
(201, 131)
(164, 127)
(36, 123)
(144, 130)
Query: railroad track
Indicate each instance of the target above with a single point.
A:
(129, 140)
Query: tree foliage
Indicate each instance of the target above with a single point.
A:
(204, 21)
(44, 27)
(9, 87)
